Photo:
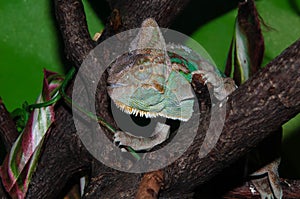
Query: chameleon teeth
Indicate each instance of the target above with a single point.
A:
(135, 112)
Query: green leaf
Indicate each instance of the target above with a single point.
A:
(29, 42)
(247, 47)
(21, 162)
(284, 21)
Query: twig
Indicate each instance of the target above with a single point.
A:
(150, 185)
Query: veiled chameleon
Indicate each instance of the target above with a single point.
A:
(155, 81)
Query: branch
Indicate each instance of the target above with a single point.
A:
(150, 185)
(132, 13)
(8, 134)
(73, 26)
(8, 131)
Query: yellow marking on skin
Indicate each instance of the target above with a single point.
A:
(147, 86)
(158, 87)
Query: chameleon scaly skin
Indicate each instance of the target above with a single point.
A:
(150, 88)
(156, 80)
(268, 186)
(160, 134)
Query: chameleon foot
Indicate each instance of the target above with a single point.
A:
(268, 186)
(137, 143)
(222, 86)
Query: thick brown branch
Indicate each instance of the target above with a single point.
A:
(132, 13)
(8, 131)
(150, 186)
(8, 134)
(72, 23)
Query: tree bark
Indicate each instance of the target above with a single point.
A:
(73, 26)
(130, 14)
(8, 130)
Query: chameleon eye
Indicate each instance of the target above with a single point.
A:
(142, 72)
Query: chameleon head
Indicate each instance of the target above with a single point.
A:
(143, 81)
(147, 86)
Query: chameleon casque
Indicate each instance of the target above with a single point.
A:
(157, 84)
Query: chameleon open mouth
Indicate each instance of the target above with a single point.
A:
(136, 112)
(140, 113)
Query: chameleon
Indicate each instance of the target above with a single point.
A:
(156, 82)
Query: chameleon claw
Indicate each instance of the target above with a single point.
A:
(208, 77)
(268, 186)
(137, 143)
(222, 87)
(205, 82)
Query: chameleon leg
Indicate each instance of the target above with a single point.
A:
(137, 143)
(222, 86)
(268, 186)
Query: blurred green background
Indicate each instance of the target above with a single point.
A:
(30, 41)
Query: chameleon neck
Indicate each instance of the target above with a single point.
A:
(191, 65)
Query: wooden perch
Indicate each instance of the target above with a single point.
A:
(253, 111)
(8, 134)
(73, 26)
(132, 13)
(8, 130)
(150, 185)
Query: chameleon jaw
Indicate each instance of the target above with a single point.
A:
(136, 112)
